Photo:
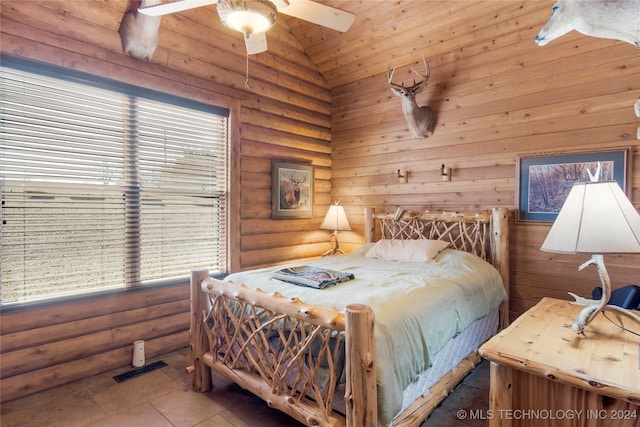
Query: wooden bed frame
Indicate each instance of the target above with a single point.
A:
(288, 352)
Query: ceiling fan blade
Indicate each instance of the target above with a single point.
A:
(318, 13)
(174, 6)
(255, 43)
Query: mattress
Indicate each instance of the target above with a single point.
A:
(451, 355)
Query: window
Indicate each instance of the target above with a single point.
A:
(105, 185)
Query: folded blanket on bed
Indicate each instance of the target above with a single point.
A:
(314, 277)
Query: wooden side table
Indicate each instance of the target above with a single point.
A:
(544, 374)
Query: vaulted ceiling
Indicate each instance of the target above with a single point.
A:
(384, 30)
(400, 31)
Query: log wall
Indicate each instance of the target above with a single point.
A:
(321, 97)
(284, 115)
(60, 343)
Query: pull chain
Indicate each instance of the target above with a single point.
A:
(246, 82)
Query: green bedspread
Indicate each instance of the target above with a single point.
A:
(418, 307)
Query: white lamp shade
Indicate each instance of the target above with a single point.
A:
(247, 16)
(596, 218)
(335, 219)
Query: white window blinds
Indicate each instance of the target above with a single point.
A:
(105, 185)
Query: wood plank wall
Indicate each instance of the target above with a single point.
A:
(285, 115)
(498, 96)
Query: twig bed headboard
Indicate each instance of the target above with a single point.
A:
(465, 232)
(484, 233)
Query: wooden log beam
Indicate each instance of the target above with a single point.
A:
(293, 307)
(361, 394)
(500, 396)
(201, 380)
(500, 255)
(369, 225)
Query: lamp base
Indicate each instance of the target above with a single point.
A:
(333, 252)
(593, 307)
(336, 249)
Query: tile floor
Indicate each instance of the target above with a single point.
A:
(163, 398)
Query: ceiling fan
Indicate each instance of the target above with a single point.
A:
(254, 17)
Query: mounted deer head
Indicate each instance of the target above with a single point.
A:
(138, 32)
(609, 19)
(421, 120)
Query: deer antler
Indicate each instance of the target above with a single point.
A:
(424, 77)
(298, 180)
(390, 73)
(426, 69)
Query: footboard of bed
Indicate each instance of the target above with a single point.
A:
(295, 356)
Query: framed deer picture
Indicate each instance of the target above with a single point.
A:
(292, 190)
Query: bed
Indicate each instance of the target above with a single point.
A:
(341, 356)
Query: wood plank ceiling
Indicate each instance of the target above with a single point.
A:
(385, 31)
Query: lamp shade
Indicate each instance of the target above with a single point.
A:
(247, 16)
(335, 219)
(596, 218)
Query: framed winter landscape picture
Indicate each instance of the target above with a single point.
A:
(545, 180)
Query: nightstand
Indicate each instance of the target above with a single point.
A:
(544, 374)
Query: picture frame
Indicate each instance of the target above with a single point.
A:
(544, 181)
(292, 190)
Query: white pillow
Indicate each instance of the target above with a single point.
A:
(420, 250)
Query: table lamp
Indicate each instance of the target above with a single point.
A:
(335, 220)
(597, 218)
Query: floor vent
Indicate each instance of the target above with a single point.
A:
(139, 371)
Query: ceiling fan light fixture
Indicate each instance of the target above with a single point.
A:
(247, 16)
